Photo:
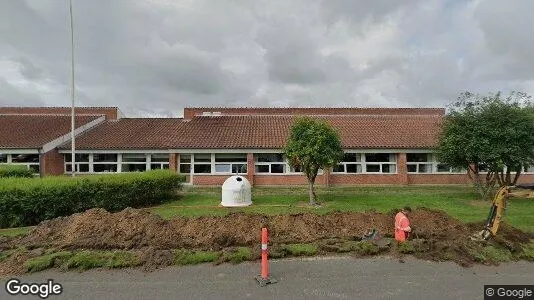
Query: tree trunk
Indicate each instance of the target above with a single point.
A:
(311, 191)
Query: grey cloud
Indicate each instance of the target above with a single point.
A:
(155, 57)
(28, 69)
(13, 96)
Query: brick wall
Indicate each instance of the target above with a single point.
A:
(111, 113)
(173, 161)
(51, 163)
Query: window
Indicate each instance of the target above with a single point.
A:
(427, 163)
(159, 161)
(29, 160)
(420, 163)
(82, 162)
(351, 164)
(202, 163)
(133, 162)
(105, 162)
(185, 164)
(3, 158)
(380, 163)
(270, 163)
(230, 163)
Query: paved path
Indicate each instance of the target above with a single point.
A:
(319, 278)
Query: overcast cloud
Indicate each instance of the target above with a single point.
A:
(153, 57)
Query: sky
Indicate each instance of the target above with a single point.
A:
(154, 57)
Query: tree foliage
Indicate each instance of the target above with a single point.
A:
(489, 134)
(313, 145)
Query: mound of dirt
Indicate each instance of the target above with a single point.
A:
(138, 229)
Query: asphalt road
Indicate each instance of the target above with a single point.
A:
(318, 278)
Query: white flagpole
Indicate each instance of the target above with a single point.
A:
(73, 156)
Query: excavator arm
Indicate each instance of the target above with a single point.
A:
(499, 205)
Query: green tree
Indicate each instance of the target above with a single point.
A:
(491, 135)
(313, 145)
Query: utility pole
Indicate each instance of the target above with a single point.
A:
(73, 156)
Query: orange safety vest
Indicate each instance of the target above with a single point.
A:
(402, 227)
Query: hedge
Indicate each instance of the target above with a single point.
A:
(15, 171)
(25, 201)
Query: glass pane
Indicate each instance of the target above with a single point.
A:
(388, 168)
(133, 167)
(269, 157)
(354, 168)
(443, 168)
(239, 168)
(262, 169)
(352, 157)
(79, 157)
(377, 157)
(202, 168)
(3, 158)
(105, 168)
(166, 166)
(34, 168)
(104, 158)
(133, 157)
(185, 158)
(459, 170)
(296, 169)
(222, 168)
(417, 157)
(339, 169)
(68, 168)
(155, 166)
(83, 168)
(373, 168)
(24, 158)
(230, 157)
(203, 157)
(425, 168)
(278, 168)
(161, 158)
(412, 168)
(185, 168)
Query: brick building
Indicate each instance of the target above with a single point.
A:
(382, 145)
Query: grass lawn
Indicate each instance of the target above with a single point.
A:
(15, 231)
(460, 202)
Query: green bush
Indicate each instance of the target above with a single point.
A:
(15, 171)
(25, 201)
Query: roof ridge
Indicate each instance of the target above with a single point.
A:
(53, 115)
(307, 107)
(69, 107)
(321, 115)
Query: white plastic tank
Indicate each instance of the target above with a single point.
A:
(236, 191)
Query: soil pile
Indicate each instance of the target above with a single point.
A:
(137, 229)
(437, 236)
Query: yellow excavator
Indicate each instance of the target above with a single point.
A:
(499, 205)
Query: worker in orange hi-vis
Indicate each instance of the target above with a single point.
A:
(402, 224)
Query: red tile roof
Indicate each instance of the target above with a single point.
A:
(190, 112)
(259, 132)
(34, 131)
(131, 133)
(370, 131)
(109, 112)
